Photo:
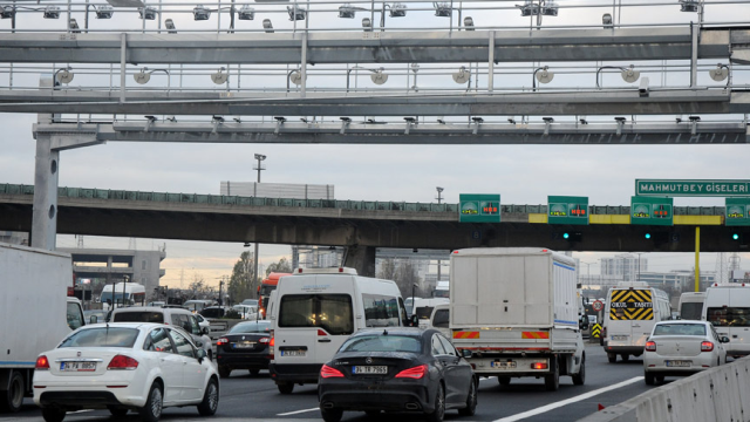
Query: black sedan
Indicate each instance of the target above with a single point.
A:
(245, 346)
(397, 370)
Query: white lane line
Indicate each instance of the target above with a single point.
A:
(296, 412)
(552, 406)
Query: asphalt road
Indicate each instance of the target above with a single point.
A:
(248, 398)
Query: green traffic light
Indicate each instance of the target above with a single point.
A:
(566, 235)
(735, 236)
(647, 235)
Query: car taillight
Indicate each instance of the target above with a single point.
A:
(264, 340)
(416, 372)
(42, 363)
(122, 362)
(707, 346)
(328, 372)
(650, 346)
(222, 341)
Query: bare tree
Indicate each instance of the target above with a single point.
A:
(283, 266)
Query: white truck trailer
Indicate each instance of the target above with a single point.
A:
(36, 314)
(516, 311)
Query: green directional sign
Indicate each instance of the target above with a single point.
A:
(691, 187)
(737, 212)
(479, 208)
(651, 211)
(568, 210)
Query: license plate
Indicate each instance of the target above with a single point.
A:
(620, 337)
(678, 363)
(245, 345)
(365, 370)
(78, 366)
(292, 353)
(503, 364)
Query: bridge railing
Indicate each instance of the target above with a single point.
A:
(195, 198)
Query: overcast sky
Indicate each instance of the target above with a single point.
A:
(521, 174)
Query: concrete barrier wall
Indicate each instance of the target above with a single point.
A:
(719, 394)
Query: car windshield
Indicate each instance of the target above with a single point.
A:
(251, 327)
(102, 337)
(138, 316)
(680, 330)
(382, 343)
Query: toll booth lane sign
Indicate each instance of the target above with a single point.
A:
(568, 210)
(737, 212)
(651, 211)
(691, 187)
(479, 208)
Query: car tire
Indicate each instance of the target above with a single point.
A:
(372, 413)
(53, 415)
(471, 401)
(210, 402)
(330, 415)
(285, 387)
(438, 413)
(552, 381)
(649, 378)
(611, 357)
(151, 412)
(254, 372)
(224, 371)
(14, 395)
(659, 379)
(210, 355)
(117, 412)
(504, 381)
(580, 377)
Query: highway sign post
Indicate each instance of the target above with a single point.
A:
(651, 211)
(479, 208)
(692, 187)
(737, 212)
(568, 210)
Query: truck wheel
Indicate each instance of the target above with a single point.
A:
(625, 357)
(552, 381)
(286, 388)
(224, 371)
(504, 381)
(53, 415)
(14, 396)
(580, 377)
(611, 357)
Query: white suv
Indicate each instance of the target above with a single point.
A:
(176, 317)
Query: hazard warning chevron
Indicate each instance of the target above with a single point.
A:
(631, 305)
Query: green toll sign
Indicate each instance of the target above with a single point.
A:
(737, 212)
(651, 211)
(568, 210)
(479, 208)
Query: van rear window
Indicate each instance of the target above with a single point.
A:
(691, 310)
(157, 317)
(729, 317)
(330, 312)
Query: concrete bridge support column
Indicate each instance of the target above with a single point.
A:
(361, 258)
(46, 175)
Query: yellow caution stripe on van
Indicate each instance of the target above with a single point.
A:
(534, 335)
(466, 334)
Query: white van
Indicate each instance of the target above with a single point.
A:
(691, 305)
(423, 309)
(315, 310)
(440, 319)
(727, 307)
(630, 313)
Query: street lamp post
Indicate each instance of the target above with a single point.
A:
(439, 191)
(259, 167)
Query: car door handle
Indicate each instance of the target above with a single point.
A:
(324, 340)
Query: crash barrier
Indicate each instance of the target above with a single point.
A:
(714, 395)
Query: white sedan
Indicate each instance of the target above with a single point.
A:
(143, 367)
(678, 348)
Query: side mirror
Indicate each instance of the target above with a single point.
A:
(204, 331)
(93, 319)
(414, 321)
(201, 354)
(199, 344)
(724, 339)
(465, 353)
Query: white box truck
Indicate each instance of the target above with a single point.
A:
(36, 314)
(516, 311)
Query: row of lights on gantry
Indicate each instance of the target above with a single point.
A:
(296, 13)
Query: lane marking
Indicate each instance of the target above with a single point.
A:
(296, 412)
(575, 399)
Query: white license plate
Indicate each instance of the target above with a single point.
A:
(364, 370)
(678, 364)
(292, 353)
(620, 337)
(78, 366)
(503, 364)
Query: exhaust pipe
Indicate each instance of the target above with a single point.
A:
(328, 405)
(412, 406)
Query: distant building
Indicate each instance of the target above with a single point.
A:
(624, 267)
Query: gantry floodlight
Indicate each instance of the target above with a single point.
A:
(477, 120)
(279, 119)
(583, 121)
(268, 26)
(246, 13)
(51, 12)
(378, 77)
(629, 74)
(73, 26)
(607, 21)
(148, 13)
(217, 119)
(367, 24)
(260, 157)
(468, 23)
(7, 12)
(201, 13)
(397, 10)
(143, 76)
(548, 119)
(689, 5)
(511, 120)
(169, 24)
(346, 119)
(296, 13)
(347, 11)
(63, 76)
(295, 77)
(104, 12)
(220, 77)
(462, 76)
(720, 73)
(443, 10)
(151, 119)
(528, 8)
(694, 118)
(550, 8)
(172, 119)
(543, 75)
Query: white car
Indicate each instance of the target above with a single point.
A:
(143, 367)
(679, 348)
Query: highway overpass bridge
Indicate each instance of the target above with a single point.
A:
(361, 226)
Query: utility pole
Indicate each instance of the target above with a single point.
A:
(439, 197)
